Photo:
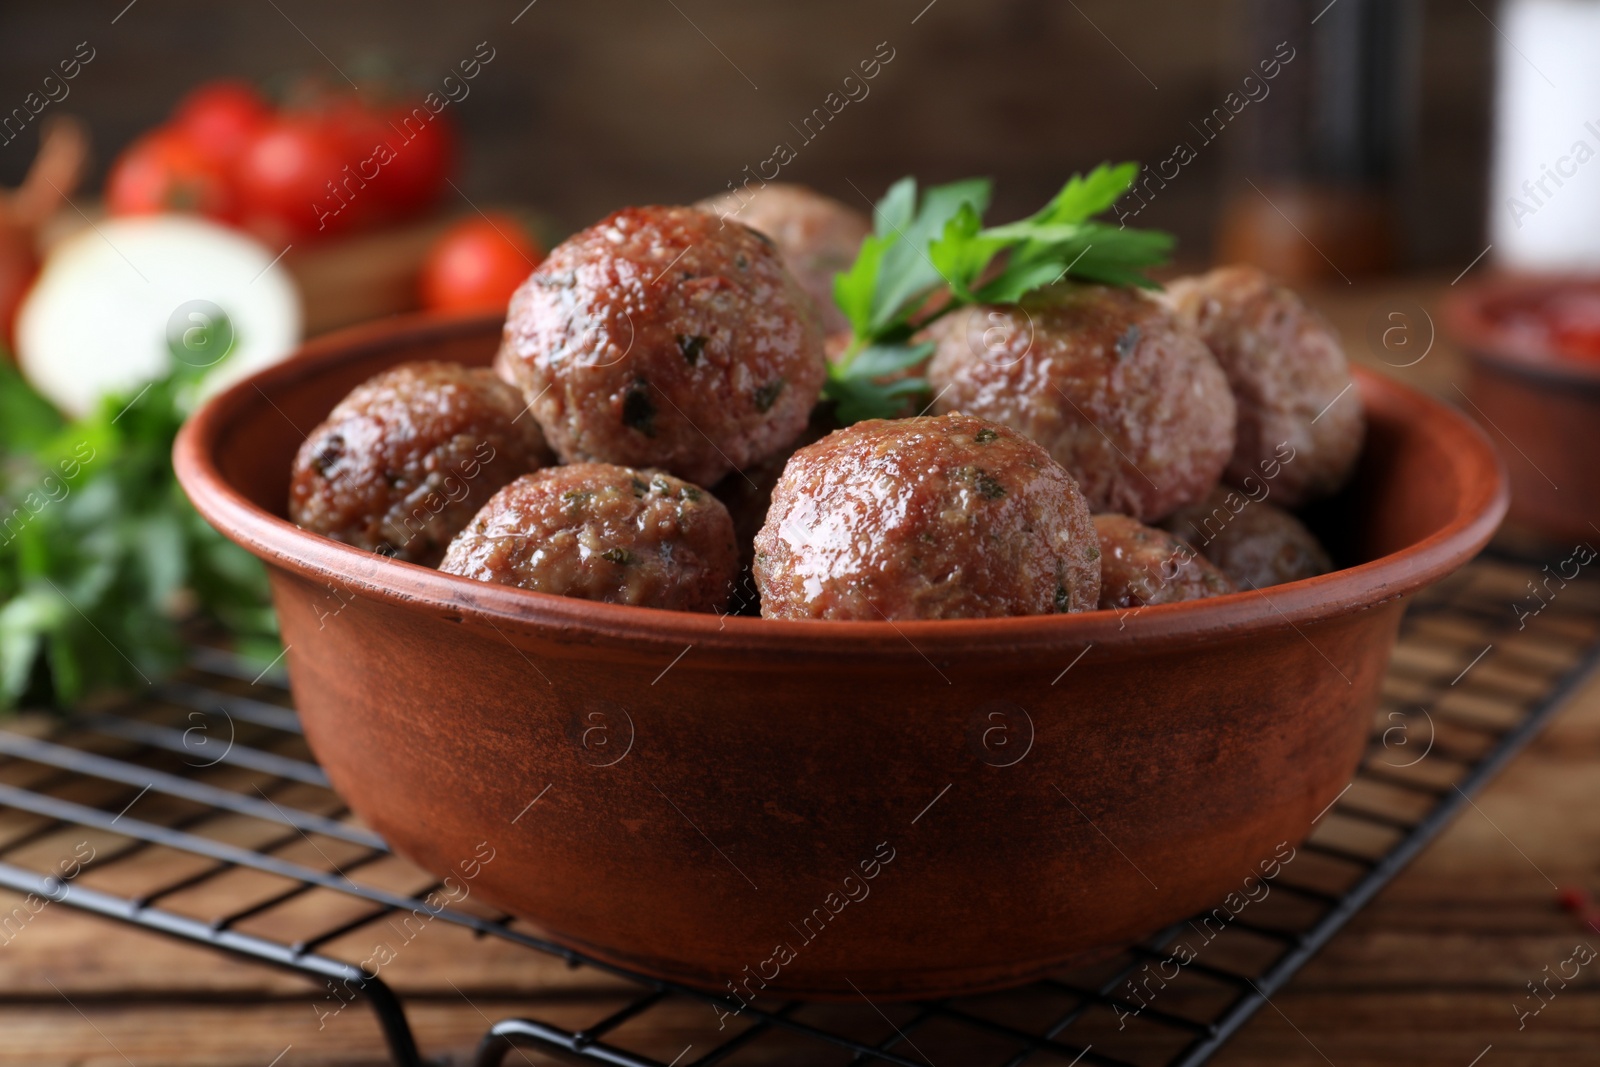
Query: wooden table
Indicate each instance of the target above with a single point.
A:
(1428, 974)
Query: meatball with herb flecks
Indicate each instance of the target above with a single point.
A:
(1301, 422)
(600, 532)
(1141, 566)
(660, 337)
(937, 517)
(1250, 540)
(748, 494)
(1132, 404)
(818, 236)
(401, 464)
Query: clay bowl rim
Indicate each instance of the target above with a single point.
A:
(793, 642)
(1468, 322)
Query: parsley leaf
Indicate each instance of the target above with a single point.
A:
(930, 254)
(25, 416)
(853, 290)
(907, 273)
(876, 386)
(102, 558)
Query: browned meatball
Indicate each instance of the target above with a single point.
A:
(661, 338)
(1106, 380)
(818, 236)
(599, 532)
(404, 461)
(749, 494)
(1250, 540)
(927, 518)
(1300, 418)
(1141, 566)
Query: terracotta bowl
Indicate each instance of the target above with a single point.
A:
(1543, 407)
(832, 809)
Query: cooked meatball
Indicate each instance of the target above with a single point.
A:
(599, 532)
(1300, 421)
(818, 236)
(404, 461)
(1250, 540)
(661, 338)
(1141, 566)
(1105, 379)
(748, 493)
(928, 518)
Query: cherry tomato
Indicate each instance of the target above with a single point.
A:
(477, 264)
(164, 171)
(362, 136)
(220, 117)
(421, 159)
(292, 184)
(360, 129)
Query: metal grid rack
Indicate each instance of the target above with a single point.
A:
(228, 801)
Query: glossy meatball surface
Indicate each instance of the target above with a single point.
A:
(817, 235)
(404, 461)
(1141, 566)
(1106, 380)
(601, 532)
(939, 517)
(748, 494)
(1253, 542)
(1298, 408)
(661, 338)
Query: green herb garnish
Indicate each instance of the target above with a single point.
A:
(102, 558)
(929, 255)
(638, 410)
(988, 486)
(691, 347)
(768, 394)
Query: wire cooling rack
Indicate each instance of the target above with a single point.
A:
(229, 798)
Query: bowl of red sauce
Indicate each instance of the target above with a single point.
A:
(1534, 348)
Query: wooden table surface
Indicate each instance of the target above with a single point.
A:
(1431, 973)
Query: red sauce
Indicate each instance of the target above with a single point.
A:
(1563, 321)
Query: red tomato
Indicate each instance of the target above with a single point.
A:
(362, 136)
(359, 128)
(163, 171)
(477, 264)
(421, 158)
(292, 183)
(220, 117)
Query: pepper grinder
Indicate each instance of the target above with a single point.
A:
(1544, 204)
(1312, 190)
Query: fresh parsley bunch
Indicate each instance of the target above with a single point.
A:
(102, 557)
(930, 255)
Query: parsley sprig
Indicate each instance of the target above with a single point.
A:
(931, 254)
(102, 557)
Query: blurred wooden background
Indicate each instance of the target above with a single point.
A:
(591, 105)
